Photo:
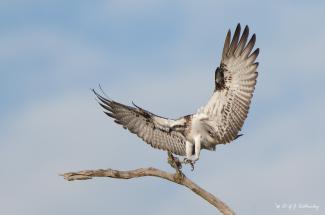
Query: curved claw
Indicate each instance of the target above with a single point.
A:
(189, 161)
(192, 166)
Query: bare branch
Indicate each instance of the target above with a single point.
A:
(177, 177)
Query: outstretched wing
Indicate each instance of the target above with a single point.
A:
(154, 130)
(235, 81)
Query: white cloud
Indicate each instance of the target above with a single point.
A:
(62, 53)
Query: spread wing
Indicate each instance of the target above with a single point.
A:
(154, 130)
(235, 81)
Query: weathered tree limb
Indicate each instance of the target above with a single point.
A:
(177, 177)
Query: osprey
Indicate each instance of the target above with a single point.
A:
(218, 122)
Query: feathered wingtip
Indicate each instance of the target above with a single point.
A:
(238, 45)
(101, 98)
(239, 135)
(105, 103)
(101, 89)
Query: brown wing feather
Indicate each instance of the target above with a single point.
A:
(235, 83)
(145, 125)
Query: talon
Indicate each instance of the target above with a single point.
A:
(174, 161)
(192, 166)
(178, 163)
(186, 160)
(189, 161)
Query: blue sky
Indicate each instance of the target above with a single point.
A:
(161, 55)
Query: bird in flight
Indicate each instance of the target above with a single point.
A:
(218, 122)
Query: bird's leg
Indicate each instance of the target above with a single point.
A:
(177, 165)
(174, 162)
(192, 157)
(197, 148)
(189, 152)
